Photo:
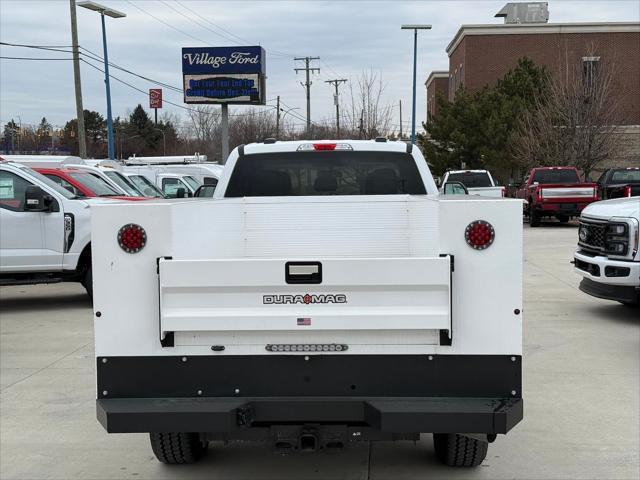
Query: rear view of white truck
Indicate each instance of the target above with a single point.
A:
(326, 295)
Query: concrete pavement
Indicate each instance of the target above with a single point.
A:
(581, 391)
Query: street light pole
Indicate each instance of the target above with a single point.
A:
(108, 87)
(96, 7)
(415, 29)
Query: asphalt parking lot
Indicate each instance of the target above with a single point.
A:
(581, 391)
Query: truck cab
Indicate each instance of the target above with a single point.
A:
(477, 182)
(336, 297)
(84, 183)
(46, 230)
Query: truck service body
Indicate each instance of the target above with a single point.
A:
(555, 192)
(326, 294)
(608, 255)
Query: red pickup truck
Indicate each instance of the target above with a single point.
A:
(555, 192)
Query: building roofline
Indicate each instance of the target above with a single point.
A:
(540, 28)
(436, 74)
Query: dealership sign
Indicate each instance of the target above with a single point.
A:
(232, 75)
(155, 98)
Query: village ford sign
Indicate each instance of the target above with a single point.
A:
(233, 75)
(201, 60)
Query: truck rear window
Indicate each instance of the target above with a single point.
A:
(325, 173)
(556, 176)
(471, 179)
(626, 175)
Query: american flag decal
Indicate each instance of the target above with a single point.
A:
(304, 321)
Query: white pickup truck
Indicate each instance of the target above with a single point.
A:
(478, 182)
(327, 294)
(45, 230)
(608, 255)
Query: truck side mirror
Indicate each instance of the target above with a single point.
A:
(455, 188)
(36, 200)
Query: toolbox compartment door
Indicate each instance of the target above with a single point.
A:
(234, 295)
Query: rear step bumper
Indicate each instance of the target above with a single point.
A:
(238, 416)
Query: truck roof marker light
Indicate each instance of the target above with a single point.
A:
(479, 235)
(132, 238)
(308, 147)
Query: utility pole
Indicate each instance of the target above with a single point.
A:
(400, 119)
(82, 143)
(336, 101)
(307, 84)
(278, 118)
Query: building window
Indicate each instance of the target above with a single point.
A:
(590, 69)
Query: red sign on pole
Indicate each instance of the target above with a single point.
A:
(155, 98)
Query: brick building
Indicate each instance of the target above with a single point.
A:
(437, 85)
(481, 54)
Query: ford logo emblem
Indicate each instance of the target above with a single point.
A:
(583, 234)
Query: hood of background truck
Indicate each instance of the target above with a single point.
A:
(617, 207)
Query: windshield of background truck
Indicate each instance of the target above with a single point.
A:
(325, 173)
(626, 176)
(94, 183)
(192, 182)
(471, 179)
(51, 184)
(556, 176)
(145, 186)
(123, 183)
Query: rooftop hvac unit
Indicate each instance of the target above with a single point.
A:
(531, 12)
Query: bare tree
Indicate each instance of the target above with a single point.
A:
(575, 123)
(368, 116)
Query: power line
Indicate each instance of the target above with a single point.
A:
(165, 23)
(271, 51)
(33, 58)
(226, 37)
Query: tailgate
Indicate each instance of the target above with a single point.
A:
(577, 193)
(233, 295)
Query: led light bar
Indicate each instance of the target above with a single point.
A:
(306, 347)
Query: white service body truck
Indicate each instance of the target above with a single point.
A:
(45, 230)
(608, 255)
(477, 182)
(326, 294)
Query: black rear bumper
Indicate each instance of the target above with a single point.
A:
(235, 416)
(237, 395)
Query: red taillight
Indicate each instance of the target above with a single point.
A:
(479, 234)
(324, 146)
(504, 191)
(627, 191)
(132, 238)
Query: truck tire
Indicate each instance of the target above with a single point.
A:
(177, 448)
(457, 450)
(534, 218)
(87, 282)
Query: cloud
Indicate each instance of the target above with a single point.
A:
(349, 36)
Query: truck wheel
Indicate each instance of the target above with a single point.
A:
(459, 451)
(87, 282)
(177, 448)
(534, 219)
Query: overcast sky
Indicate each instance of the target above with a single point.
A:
(348, 36)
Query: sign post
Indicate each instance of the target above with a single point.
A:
(224, 76)
(155, 100)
